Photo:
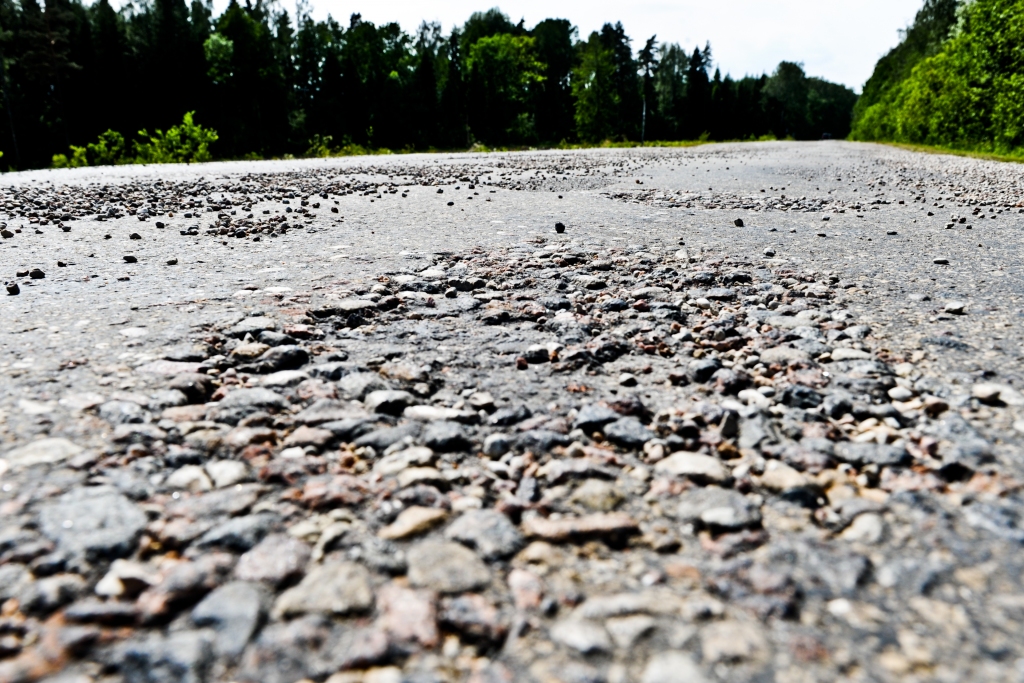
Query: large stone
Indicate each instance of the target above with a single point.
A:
(628, 432)
(179, 657)
(408, 616)
(445, 437)
(413, 521)
(489, 532)
(234, 611)
(717, 508)
(336, 588)
(577, 528)
(594, 417)
(597, 495)
(358, 385)
(240, 533)
(446, 567)
(732, 641)
(95, 523)
(872, 453)
(696, 466)
(388, 401)
(252, 326)
(583, 636)
(329, 410)
(42, 452)
(672, 667)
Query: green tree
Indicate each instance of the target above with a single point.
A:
(503, 71)
(593, 86)
(554, 104)
(625, 81)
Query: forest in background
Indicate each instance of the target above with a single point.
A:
(162, 80)
(956, 80)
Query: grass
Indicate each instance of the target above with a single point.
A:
(973, 154)
(318, 151)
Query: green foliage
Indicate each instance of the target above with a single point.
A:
(320, 147)
(185, 143)
(969, 95)
(108, 150)
(593, 88)
(219, 51)
(77, 159)
(503, 71)
(922, 39)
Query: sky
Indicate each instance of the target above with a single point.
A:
(836, 40)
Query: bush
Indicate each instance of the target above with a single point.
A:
(184, 143)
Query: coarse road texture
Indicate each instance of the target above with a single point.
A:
(726, 413)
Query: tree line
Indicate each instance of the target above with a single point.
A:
(955, 80)
(88, 82)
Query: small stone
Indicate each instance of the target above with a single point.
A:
(672, 667)
(36, 274)
(769, 253)
(628, 432)
(900, 394)
(234, 611)
(445, 437)
(446, 567)
(413, 521)
(12, 288)
(226, 473)
(131, 259)
(559, 227)
(700, 371)
(95, 523)
(276, 559)
(625, 631)
(309, 436)
(717, 508)
(842, 354)
(239, 533)
(627, 379)
(941, 261)
(866, 528)
(569, 528)
(597, 495)
(595, 417)
(778, 476)
(732, 641)
(42, 452)
(996, 394)
(389, 402)
(336, 588)
(474, 617)
(408, 616)
(496, 445)
(489, 532)
(583, 636)
(189, 478)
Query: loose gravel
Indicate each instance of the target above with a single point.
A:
(561, 416)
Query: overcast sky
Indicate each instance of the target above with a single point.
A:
(840, 41)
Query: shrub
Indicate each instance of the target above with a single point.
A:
(185, 143)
